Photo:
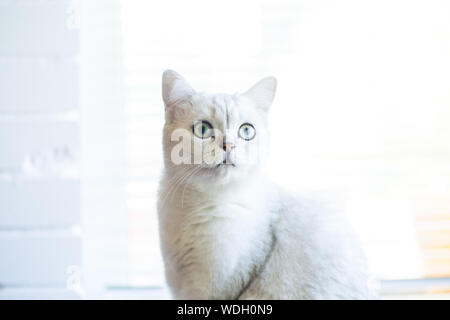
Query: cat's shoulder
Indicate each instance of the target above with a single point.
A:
(307, 204)
(318, 212)
(317, 223)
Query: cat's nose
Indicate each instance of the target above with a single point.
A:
(227, 147)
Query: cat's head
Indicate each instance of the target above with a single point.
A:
(219, 136)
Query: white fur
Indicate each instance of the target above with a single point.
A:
(228, 233)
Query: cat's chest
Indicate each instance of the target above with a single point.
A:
(224, 230)
(222, 222)
(228, 240)
(214, 244)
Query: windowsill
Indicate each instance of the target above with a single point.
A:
(427, 288)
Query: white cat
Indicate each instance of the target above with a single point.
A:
(226, 231)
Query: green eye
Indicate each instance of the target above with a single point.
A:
(247, 131)
(202, 129)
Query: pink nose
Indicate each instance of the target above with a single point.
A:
(227, 147)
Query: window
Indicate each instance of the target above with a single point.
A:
(362, 108)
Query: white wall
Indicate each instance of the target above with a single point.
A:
(39, 148)
(105, 223)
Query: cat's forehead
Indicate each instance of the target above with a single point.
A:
(214, 105)
(222, 107)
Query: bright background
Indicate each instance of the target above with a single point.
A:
(362, 113)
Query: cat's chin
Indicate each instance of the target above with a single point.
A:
(225, 170)
(225, 165)
(219, 173)
(223, 173)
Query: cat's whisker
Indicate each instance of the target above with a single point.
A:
(171, 183)
(177, 180)
(180, 182)
(172, 186)
(186, 183)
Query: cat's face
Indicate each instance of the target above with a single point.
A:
(217, 136)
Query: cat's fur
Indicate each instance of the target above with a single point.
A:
(227, 232)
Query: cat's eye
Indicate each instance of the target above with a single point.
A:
(202, 129)
(247, 131)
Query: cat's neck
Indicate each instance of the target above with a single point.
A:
(247, 192)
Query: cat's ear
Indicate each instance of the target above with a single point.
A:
(263, 92)
(175, 88)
